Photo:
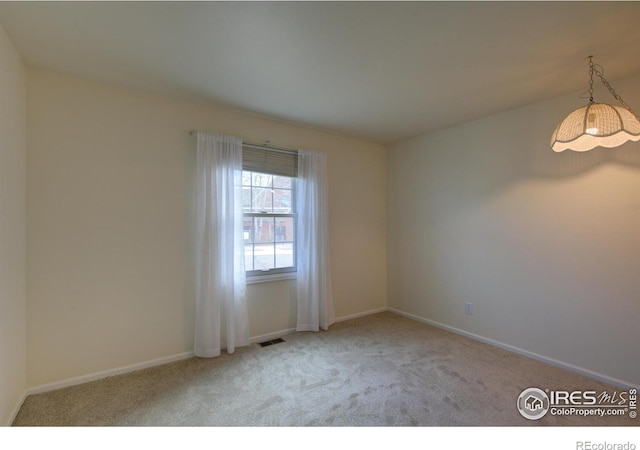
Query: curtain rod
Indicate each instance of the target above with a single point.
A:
(261, 147)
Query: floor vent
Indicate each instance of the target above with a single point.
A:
(271, 342)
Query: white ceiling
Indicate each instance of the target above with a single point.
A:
(382, 71)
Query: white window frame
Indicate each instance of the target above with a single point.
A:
(281, 273)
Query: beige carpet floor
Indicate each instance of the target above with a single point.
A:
(380, 370)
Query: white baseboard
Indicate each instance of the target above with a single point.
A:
(554, 362)
(277, 334)
(265, 337)
(106, 373)
(270, 336)
(361, 314)
(157, 362)
(13, 415)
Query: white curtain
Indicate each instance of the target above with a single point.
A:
(315, 300)
(221, 307)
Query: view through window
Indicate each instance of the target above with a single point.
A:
(269, 222)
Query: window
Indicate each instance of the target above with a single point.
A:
(268, 201)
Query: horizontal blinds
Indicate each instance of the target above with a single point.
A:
(270, 161)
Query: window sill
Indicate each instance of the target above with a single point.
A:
(272, 277)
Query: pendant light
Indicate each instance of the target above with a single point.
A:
(597, 124)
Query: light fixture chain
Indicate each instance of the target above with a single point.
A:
(591, 69)
(610, 88)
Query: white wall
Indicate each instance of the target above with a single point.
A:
(110, 199)
(546, 246)
(12, 229)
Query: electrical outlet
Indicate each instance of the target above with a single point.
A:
(468, 308)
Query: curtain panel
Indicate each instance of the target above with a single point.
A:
(221, 304)
(315, 298)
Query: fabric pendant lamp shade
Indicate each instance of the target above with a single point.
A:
(595, 125)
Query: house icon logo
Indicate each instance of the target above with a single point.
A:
(533, 403)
